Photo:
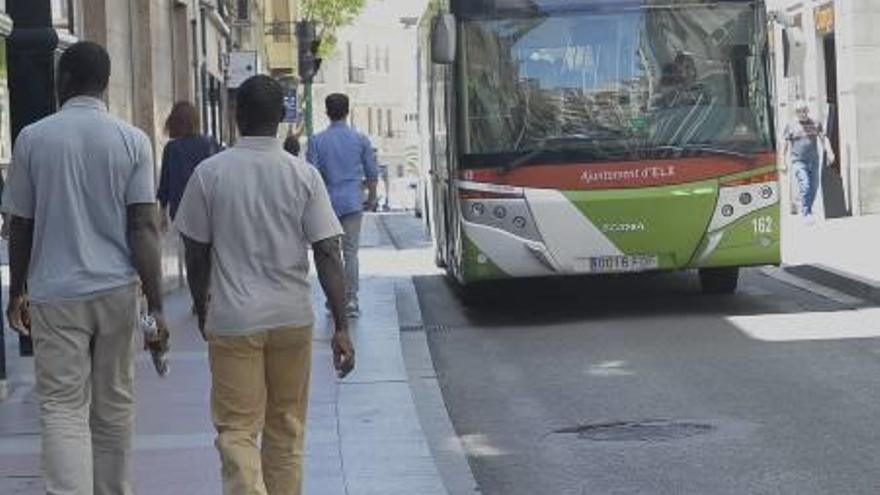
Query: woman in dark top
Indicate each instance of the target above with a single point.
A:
(182, 154)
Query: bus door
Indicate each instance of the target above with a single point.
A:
(440, 173)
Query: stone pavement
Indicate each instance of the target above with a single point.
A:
(840, 253)
(848, 244)
(364, 435)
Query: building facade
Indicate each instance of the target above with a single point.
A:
(375, 63)
(826, 53)
(280, 38)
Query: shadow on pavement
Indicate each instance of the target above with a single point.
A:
(563, 300)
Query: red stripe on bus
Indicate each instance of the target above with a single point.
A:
(619, 175)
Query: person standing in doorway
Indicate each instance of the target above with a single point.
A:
(247, 218)
(802, 138)
(182, 154)
(346, 160)
(84, 235)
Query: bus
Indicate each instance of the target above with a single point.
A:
(592, 137)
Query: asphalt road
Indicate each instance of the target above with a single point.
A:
(641, 385)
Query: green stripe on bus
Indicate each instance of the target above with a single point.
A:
(668, 221)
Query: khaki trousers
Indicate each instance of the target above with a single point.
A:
(261, 385)
(83, 353)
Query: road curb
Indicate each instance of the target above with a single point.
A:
(446, 447)
(841, 281)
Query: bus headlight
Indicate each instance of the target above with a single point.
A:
(727, 211)
(740, 197)
(510, 215)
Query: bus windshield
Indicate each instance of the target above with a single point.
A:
(603, 86)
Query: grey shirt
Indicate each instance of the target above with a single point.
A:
(259, 208)
(74, 173)
(804, 138)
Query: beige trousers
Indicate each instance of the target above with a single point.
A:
(84, 362)
(261, 385)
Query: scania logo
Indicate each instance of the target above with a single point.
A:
(624, 227)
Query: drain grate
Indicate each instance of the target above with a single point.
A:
(652, 430)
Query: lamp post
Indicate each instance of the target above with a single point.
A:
(309, 64)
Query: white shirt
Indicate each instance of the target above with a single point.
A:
(259, 208)
(74, 173)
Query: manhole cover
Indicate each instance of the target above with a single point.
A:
(654, 430)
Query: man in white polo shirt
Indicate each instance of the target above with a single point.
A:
(84, 232)
(248, 216)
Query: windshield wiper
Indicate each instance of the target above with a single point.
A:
(561, 143)
(703, 149)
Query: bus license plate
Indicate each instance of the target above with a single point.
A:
(624, 264)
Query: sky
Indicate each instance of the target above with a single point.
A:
(394, 9)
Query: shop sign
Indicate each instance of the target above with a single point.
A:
(825, 19)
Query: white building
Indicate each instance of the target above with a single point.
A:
(375, 65)
(833, 49)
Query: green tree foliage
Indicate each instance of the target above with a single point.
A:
(330, 16)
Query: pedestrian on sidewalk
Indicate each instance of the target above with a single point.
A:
(247, 217)
(802, 139)
(84, 232)
(183, 153)
(346, 160)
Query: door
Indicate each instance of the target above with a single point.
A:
(832, 181)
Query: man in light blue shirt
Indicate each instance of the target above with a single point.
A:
(346, 160)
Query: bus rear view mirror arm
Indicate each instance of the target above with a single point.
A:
(443, 40)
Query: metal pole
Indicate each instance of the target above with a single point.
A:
(309, 110)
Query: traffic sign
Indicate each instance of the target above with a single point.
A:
(291, 108)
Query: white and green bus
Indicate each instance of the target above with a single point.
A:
(572, 137)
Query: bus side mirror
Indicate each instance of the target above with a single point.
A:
(443, 40)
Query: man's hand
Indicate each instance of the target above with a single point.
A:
(198, 276)
(202, 317)
(164, 222)
(163, 332)
(372, 203)
(328, 260)
(343, 353)
(19, 315)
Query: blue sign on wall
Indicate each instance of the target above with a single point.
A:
(291, 108)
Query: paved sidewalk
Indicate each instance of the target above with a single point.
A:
(839, 253)
(364, 436)
(847, 244)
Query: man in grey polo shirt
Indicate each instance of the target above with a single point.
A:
(84, 234)
(247, 217)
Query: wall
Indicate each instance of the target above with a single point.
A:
(120, 94)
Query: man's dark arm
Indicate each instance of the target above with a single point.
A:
(198, 275)
(146, 252)
(21, 239)
(328, 261)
